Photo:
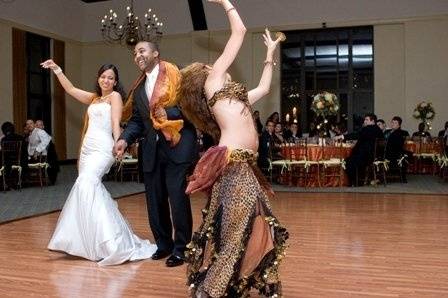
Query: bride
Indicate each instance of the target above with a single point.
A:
(90, 224)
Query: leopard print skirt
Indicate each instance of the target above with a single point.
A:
(240, 243)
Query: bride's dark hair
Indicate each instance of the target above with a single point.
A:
(118, 87)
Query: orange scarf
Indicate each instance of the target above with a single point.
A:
(163, 96)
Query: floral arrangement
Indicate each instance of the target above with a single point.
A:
(325, 104)
(424, 111)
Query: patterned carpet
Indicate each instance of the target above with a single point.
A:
(35, 200)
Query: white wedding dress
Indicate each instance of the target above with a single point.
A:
(90, 224)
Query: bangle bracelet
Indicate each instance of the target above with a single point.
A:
(57, 71)
(232, 8)
(269, 62)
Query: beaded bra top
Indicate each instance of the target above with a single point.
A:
(231, 91)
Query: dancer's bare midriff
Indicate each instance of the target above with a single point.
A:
(236, 124)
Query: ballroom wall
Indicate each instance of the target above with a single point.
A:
(410, 64)
(5, 72)
(73, 66)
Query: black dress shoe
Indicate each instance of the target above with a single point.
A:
(160, 254)
(174, 261)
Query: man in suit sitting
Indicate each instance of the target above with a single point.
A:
(267, 148)
(363, 151)
(444, 134)
(395, 146)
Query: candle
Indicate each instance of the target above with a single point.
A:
(294, 111)
(287, 117)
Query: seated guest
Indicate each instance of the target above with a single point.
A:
(38, 140)
(293, 134)
(9, 134)
(278, 134)
(258, 123)
(313, 130)
(362, 153)
(382, 125)
(40, 124)
(421, 131)
(337, 130)
(274, 117)
(40, 144)
(395, 145)
(444, 134)
(268, 147)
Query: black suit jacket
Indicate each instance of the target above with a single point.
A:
(395, 144)
(140, 126)
(365, 145)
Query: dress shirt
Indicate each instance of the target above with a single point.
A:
(151, 78)
(38, 142)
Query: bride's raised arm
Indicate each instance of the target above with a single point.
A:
(217, 76)
(81, 95)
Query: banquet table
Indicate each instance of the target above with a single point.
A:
(315, 154)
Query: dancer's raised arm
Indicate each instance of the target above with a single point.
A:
(81, 95)
(217, 75)
(266, 77)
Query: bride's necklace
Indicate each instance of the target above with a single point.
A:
(103, 98)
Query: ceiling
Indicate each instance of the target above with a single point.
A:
(80, 19)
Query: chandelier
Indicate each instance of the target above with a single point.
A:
(131, 30)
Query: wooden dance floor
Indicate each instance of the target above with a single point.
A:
(341, 245)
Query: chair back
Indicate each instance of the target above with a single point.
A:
(379, 149)
(11, 152)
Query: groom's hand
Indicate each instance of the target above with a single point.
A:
(119, 148)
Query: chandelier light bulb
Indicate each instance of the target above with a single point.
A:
(128, 8)
(146, 15)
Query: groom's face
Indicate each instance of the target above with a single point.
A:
(145, 56)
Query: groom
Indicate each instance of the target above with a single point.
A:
(168, 151)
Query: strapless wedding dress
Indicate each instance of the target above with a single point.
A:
(90, 224)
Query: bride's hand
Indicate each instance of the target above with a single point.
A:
(269, 42)
(49, 64)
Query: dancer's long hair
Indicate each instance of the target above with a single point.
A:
(193, 101)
